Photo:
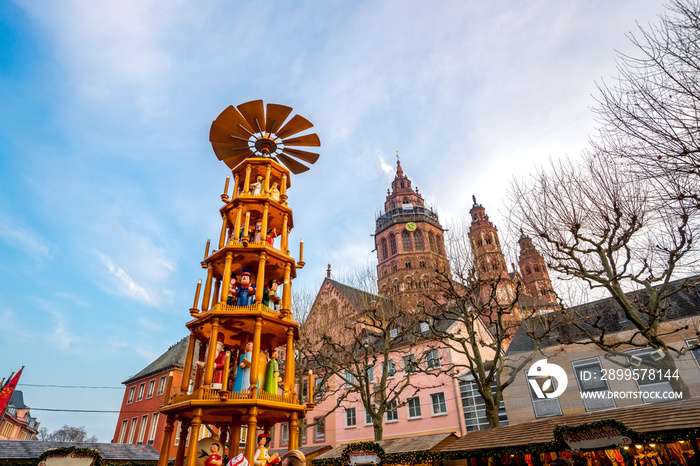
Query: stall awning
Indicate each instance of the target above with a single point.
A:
(661, 417)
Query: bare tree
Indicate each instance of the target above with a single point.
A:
(476, 319)
(67, 434)
(594, 221)
(368, 355)
(650, 115)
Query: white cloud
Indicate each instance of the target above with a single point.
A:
(125, 285)
(23, 238)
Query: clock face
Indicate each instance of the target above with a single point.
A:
(410, 226)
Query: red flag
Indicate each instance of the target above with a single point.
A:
(7, 391)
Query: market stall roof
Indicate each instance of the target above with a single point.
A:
(432, 442)
(673, 415)
(28, 450)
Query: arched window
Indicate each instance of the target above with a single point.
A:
(385, 251)
(392, 243)
(421, 264)
(537, 268)
(528, 270)
(431, 240)
(406, 244)
(418, 240)
(394, 267)
(408, 264)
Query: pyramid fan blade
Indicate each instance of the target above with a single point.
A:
(294, 126)
(276, 114)
(306, 140)
(233, 162)
(308, 157)
(251, 111)
(229, 120)
(225, 151)
(219, 135)
(292, 164)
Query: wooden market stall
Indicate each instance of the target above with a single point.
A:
(647, 435)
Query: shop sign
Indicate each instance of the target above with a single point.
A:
(67, 459)
(363, 457)
(595, 439)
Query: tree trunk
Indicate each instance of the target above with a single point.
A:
(378, 431)
(677, 384)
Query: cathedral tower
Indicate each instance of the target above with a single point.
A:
(409, 240)
(534, 271)
(489, 261)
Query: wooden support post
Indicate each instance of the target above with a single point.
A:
(207, 288)
(289, 363)
(227, 277)
(211, 356)
(187, 370)
(250, 442)
(260, 278)
(194, 438)
(167, 438)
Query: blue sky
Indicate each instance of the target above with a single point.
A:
(109, 187)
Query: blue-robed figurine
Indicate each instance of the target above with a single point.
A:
(242, 381)
(245, 291)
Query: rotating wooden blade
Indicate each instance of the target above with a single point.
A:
(294, 166)
(306, 140)
(225, 151)
(219, 135)
(231, 120)
(308, 157)
(294, 126)
(233, 162)
(252, 111)
(276, 114)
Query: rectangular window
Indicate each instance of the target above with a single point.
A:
(350, 418)
(349, 379)
(368, 417)
(370, 374)
(161, 385)
(393, 333)
(438, 406)
(142, 387)
(122, 432)
(176, 428)
(392, 412)
(151, 388)
(390, 369)
(544, 407)
(320, 430)
(154, 429)
(319, 389)
(132, 390)
(409, 364)
(589, 376)
(132, 432)
(413, 407)
(433, 359)
(142, 430)
(649, 380)
(284, 434)
(475, 408)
